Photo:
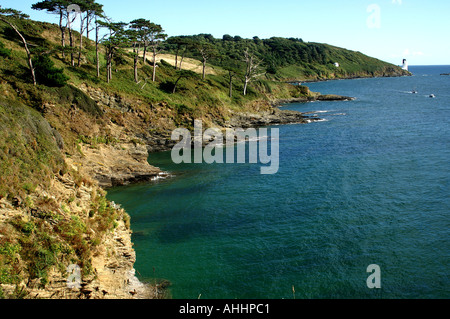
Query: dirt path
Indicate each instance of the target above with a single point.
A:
(188, 63)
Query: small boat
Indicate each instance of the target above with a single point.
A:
(414, 92)
(432, 96)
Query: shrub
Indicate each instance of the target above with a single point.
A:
(47, 73)
(165, 63)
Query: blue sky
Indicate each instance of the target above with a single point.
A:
(386, 29)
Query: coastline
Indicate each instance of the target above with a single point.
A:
(66, 145)
(354, 77)
(275, 116)
(121, 162)
(313, 98)
(312, 129)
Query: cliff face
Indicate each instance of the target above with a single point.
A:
(109, 254)
(53, 209)
(117, 165)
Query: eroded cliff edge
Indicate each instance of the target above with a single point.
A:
(53, 208)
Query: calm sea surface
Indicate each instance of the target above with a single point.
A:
(370, 185)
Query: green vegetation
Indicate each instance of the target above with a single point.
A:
(47, 74)
(285, 59)
(31, 247)
(28, 149)
(4, 53)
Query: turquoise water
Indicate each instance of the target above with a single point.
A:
(368, 186)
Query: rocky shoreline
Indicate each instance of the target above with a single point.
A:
(127, 163)
(312, 98)
(123, 163)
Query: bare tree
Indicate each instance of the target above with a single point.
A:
(98, 15)
(252, 64)
(5, 14)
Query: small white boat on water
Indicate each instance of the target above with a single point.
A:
(432, 96)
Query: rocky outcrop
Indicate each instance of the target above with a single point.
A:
(312, 98)
(334, 97)
(116, 165)
(112, 262)
(275, 117)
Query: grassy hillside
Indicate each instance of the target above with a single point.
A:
(287, 59)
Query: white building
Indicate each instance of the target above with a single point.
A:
(405, 65)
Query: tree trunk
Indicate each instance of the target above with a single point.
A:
(72, 61)
(136, 70)
(154, 64)
(245, 85)
(63, 33)
(110, 69)
(145, 52)
(231, 84)
(204, 69)
(182, 58)
(88, 20)
(81, 42)
(136, 60)
(176, 57)
(108, 64)
(176, 83)
(30, 62)
(96, 48)
(107, 69)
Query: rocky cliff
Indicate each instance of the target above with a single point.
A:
(53, 207)
(110, 259)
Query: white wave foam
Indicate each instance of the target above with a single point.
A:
(162, 175)
(325, 111)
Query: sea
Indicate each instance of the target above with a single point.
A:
(368, 185)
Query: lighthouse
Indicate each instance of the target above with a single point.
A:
(405, 65)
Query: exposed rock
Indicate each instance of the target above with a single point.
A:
(334, 97)
(276, 116)
(116, 165)
(113, 274)
(312, 98)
